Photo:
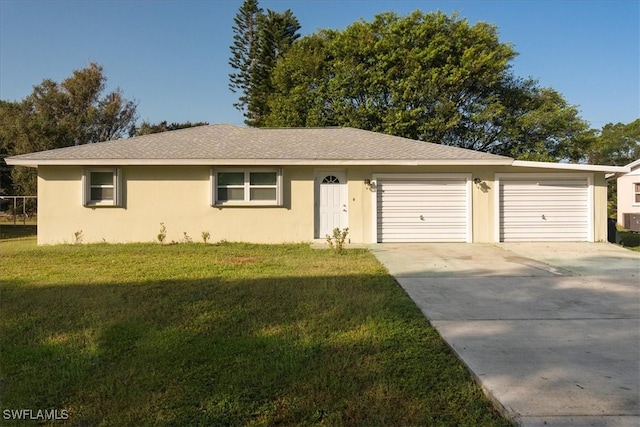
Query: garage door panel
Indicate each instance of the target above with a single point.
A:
(414, 219)
(419, 205)
(424, 210)
(539, 209)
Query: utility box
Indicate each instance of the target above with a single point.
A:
(632, 222)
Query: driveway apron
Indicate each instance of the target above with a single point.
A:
(550, 330)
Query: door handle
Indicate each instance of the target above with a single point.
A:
(421, 218)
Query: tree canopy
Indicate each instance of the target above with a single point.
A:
(55, 115)
(615, 144)
(430, 77)
(147, 128)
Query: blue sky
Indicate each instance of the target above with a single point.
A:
(171, 56)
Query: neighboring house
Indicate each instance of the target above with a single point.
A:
(298, 184)
(628, 194)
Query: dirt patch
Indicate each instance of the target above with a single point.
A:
(240, 260)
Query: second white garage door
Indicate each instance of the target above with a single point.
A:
(544, 208)
(415, 209)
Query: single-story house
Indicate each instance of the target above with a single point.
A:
(628, 189)
(298, 184)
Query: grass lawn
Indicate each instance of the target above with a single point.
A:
(228, 334)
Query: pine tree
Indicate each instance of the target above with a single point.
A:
(278, 31)
(260, 40)
(244, 51)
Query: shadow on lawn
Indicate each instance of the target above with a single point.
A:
(335, 350)
(10, 231)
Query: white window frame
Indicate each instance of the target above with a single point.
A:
(635, 193)
(247, 187)
(117, 187)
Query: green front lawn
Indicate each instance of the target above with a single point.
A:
(228, 334)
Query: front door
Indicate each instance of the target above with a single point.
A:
(331, 202)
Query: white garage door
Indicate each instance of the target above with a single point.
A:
(423, 210)
(544, 209)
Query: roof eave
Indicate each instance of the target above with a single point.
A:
(633, 165)
(570, 166)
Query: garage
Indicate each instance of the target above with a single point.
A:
(544, 208)
(423, 208)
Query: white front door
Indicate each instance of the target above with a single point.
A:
(331, 202)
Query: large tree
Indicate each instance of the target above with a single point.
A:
(260, 40)
(244, 51)
(72, 112)
(615, 144)
(429, 77)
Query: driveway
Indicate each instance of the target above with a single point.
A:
(551, 330)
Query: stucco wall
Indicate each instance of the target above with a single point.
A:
(178, 196)
(626, 202)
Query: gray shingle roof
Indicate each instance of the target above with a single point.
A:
(226, 144)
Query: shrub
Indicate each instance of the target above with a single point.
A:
(336, 242)
(162, 235)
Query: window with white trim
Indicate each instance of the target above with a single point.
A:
(101, 187)
(246, 187)
(636, 193)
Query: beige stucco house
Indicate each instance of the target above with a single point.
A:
(297, 185)
(628, 189)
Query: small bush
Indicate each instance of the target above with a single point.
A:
(162, 235)
(336, 242)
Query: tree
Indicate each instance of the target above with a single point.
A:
(57, 115)
(147, 128)
(615, 144)
(244, 51)
(301, 95)
(278, 31)
(260, 40)
(429, 77)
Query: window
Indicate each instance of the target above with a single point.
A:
(331, 179)
(636, 192)
(247, 187)
(101, 187)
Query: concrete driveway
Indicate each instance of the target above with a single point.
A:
(551, 330)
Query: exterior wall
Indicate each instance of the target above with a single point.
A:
(626, 203)
(179, 197)
(600, 207)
